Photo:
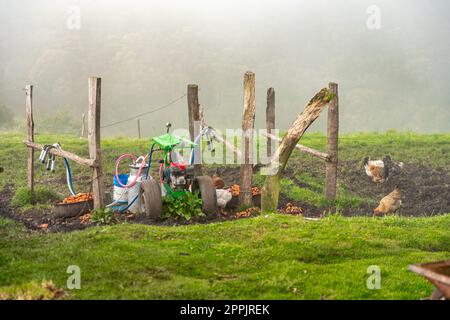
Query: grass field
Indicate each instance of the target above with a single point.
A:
(271, 256)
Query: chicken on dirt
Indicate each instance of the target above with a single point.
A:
(390, 203)
(218, 181)
(223, 196)
(379, 170)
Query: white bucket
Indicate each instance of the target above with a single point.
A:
(120, 194)
(132, 193)
(136, 189)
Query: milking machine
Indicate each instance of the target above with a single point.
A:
(51, 159)
(144, 194)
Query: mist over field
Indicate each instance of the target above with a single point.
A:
(395, 77)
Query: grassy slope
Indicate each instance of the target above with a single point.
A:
(252, 258)
(273, 257)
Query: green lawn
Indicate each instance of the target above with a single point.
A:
(267, 257)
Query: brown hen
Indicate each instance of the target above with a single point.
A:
(390, 203)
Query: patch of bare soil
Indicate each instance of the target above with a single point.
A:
(425, 192)
(45, 221)
(38, 219)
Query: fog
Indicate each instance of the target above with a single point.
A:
(394, 77)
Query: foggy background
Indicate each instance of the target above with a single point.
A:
(147, 52)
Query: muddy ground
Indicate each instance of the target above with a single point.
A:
(425, 192)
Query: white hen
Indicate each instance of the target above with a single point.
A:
(223, 197)
(379, 170)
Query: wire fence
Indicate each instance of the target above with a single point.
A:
(363, 138)
(144, 113)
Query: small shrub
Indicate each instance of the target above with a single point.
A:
(24, 197)
(187, 206)
(44, 195)
(103, 216)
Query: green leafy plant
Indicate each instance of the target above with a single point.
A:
(187, 206)
(103, 216)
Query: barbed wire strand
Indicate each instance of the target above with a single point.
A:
(144, 113)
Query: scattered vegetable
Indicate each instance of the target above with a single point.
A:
(86, 217)
(80, 197)
(291, 209)
(248, 212)
(235, 189)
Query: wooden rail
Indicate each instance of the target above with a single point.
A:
(318, 154)
(64, 154)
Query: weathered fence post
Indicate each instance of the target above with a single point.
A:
(270, 119)
(139, 127)
(193, 117)
(94, 140)
(271, 188)
(248, 120)
(332, 144)
(83, 124)
(30, 136)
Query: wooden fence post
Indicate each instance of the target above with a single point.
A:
(94, 140)
(194, 116)
(332, 144)
(139, 127)
(83, 124)
(270, 119)
(248, 121)
(271, 189)
(30, 135)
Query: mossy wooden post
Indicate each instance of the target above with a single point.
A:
(270, 119)
(332, 143)
(271, 188)
(30, 135)
(248, 120)
(94, 140)
(193, 117)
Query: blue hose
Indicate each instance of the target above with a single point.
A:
(69, 178)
